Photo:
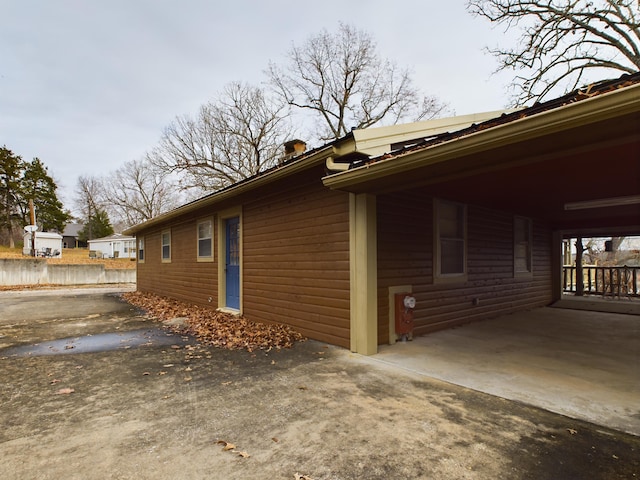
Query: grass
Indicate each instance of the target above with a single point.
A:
(72, 256)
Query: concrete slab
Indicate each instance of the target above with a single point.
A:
(577, 363)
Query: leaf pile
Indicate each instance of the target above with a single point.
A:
(216, 328)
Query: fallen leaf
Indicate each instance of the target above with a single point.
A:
(65, 391)
(297, 476)
(227, 445)
(302, 388)
(146, 373)
(54, 381)
(243, 454)
(275, 439)
(162, 373)
(214, 328)
(572, 431)
(227, 383)
(187, 379)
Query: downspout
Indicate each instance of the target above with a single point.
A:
(335, 166)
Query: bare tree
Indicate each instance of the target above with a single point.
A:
(562, 40)
(235, 137)
(341, 79)
(89, 199)
(139, 191)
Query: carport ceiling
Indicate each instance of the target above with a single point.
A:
(542, 189)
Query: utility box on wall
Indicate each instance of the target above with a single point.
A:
(405, 303)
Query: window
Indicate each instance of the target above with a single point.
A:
(521, 246)
(451, 233)
(205, 240)
(141, 250)
(166, 246)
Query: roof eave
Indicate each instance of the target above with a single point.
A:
(316, 158)
(602, 107)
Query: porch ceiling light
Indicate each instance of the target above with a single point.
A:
(605, 202)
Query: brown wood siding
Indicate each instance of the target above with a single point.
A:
(184, 278)
(405, 257)
(296, 258)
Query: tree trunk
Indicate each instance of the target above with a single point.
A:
(579, 275)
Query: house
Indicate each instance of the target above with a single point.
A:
(114, 246)
(46, 244)
(70, 236)
(466, 216)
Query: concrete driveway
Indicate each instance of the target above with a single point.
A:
(166, 407)
(583, 364)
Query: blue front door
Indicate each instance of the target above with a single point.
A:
(232, 269)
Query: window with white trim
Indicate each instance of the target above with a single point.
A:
(451, 239)
(141, 250)
(522, 228)
(166, 246)
(205, 240)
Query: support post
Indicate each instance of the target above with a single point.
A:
(364, 274)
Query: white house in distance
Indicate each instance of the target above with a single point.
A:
(114, 246)
(47, 244)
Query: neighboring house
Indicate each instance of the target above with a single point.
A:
(468, 219)
(114, 246)
(46, 244)
(70, 236)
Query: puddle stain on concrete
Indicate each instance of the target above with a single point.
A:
(101, 342)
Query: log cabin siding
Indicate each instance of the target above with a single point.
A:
(405, 257)
(296, 258)
(184, 278)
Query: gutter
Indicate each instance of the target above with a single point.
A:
(236, 189)
(602, 107)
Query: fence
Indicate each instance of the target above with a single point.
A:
(613, 281)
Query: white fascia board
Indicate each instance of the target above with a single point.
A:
(376, 141)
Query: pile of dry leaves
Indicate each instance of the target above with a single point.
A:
(216, 328)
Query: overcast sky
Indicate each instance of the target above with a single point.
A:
(88, 85)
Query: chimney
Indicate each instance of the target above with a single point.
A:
(292, 149)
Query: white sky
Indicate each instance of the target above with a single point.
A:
(87, 85)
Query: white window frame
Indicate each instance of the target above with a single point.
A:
(140, 249)
(167, 234)
(210, 257)
(521, 243)
(438, 276)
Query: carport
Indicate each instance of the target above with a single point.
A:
(580, 363)
(471, 223)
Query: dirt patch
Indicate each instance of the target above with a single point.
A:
(75, 256)
(313, 410)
